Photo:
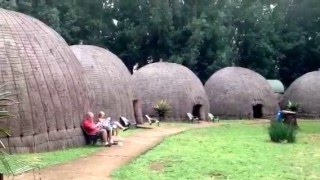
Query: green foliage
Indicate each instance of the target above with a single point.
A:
(162, 108)
(280, 132)
(278, 39)
(292, 106)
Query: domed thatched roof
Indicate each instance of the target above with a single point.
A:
(276, 85)
(240, 93)
(174, 83)
(109, 80)
(306, 91)
(47, 79)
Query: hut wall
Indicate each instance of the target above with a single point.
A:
(233, 91)
(305, 91)
(109, 80)
(173, 83)
(38, 66)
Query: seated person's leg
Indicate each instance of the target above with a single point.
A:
(120, 126)
(103, 134)
(116, 131)
(109, 134)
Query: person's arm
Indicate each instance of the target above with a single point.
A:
(89, 125)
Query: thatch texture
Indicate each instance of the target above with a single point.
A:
(109, 81)
(276, 85)
(173, 83)
(306, 91)
(233, 91)
(278, 89)
(39, 67)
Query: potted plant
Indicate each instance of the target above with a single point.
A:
(290, 115)
(292, 106)
(162, 108)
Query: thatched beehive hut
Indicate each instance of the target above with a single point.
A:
(306, 92)
(278, 89)
(109, 80)
(176, 84)
(38, 66)
(236, 92)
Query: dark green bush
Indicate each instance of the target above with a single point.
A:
(280, 132)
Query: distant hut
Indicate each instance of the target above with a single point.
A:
(174, 83)
(236, 92)
(110, 82)
(278, 89)
(39, 67)
(306, 92)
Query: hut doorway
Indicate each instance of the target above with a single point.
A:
(137, 111)
(197, 111)
(257, 111)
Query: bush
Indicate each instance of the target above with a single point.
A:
(162, 108)
(292, 106)
(280, 132)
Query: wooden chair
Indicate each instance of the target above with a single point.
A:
(192, 118)
(152, 120)
(14, 166)
(213, 118)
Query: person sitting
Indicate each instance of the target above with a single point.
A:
(93, 129)
(105, 124)
(116, 126)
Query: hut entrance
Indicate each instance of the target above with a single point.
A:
(257, 111)
(197, 111)
(137, 111)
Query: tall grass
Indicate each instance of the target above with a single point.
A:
(280, 132)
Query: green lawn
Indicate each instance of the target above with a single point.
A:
(236, 150)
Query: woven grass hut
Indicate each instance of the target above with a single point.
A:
(278, 89)
(39, 67)
(306, 92)
(236, 92)
(174, 83)
(109, 81)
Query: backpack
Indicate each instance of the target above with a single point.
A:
(124, 122)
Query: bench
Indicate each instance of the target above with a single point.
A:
(14, 166)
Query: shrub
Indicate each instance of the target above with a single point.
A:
(280, 132)
(162, 108)
(292, 106)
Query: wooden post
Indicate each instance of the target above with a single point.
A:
(1, 176)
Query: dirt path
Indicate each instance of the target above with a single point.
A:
(99, 165)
